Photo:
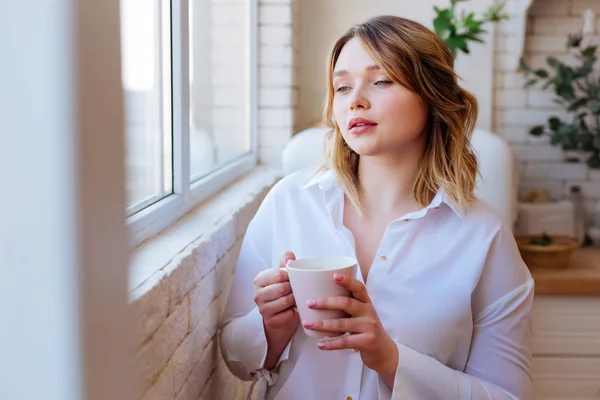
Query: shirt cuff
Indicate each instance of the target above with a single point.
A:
(414, 377)
(251, 351)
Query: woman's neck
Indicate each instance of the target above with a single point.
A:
(386, 183)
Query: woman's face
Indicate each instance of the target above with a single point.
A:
(375, 115)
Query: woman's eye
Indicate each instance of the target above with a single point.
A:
(342, 89)
(383, 83)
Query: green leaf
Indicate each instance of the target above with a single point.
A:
(554, 123)
(589, 51)
(594, 161)
(578, 104)
(596, 142)
(574, 41)
(537, 130)
(595, 108)
(530, 82)
(442, 23)
(457, 42)
(542, 73)
(553, 62)
(524, 65)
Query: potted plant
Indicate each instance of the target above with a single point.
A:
(457, 30)
(577, 90)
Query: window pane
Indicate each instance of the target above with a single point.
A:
(219, 84)
(146, 58)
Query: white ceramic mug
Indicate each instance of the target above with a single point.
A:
(312, 279)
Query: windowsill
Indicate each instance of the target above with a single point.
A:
(215, 226)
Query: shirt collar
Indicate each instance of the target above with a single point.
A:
(326, 179)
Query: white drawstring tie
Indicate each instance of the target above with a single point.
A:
(265, 378)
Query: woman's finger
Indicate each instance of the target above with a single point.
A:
(356, 342)
(347, 304)
(270, 277)
(359, 291)
(342, 325)
(276, 306)
(273, 292)
(285, 257)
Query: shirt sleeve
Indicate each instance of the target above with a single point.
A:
(499, 362)
(243, 340)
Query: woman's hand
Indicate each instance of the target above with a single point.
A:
(367, 335)
(274, 298)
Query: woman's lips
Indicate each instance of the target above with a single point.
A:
(362, 128)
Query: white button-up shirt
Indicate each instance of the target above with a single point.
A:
(448, 284)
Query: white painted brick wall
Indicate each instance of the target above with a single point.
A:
(178, 312)
(517, 109)
(277, 97)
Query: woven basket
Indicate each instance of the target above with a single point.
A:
(555, 256)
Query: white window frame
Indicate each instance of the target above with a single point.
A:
(186, 195)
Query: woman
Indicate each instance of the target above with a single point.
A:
(440, 308)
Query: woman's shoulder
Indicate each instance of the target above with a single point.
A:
(483, 215)
(299, 181)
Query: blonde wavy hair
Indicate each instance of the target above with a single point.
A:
(417, 58)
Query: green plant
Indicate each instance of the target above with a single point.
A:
(577, 90)
(544, 240)
(458, 30)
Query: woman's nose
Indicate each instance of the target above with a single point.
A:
(359, 99)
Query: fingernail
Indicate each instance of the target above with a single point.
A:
(320, 345)
(311, 303)
(288, 261)
(308, 324)
(338, 277)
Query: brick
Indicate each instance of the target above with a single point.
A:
(275, 97)
(187, 355)
(556, 171)
(501, 43)
(556, 25)
(277, 2)
(275, 76)
(203, 369)
(541, 99)
(229, 118)
(144, 367)
(512, 80)
(229, 97)
(223, 385)
(526, 117)
(579, 6)
(508, 27)
(169, 335)
(275, 139)
(510, 98)
(513, 134)
(205, 256)
(275, 14)
(550, 7)
(245, 215)
(150, 307)
(545, 44)
(555, 187)
(505, 62)
(183, 277)
(162, 389)
(202, 296)
(223, 237)
(229, 35)
(276, 118)
(589, 189)
(537, 152)
(228, 76)
(228, 56)
(594, 174)
(275, 55)
(273, 34)
(231, 15)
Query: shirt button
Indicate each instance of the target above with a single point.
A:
(406, 220)
(383, 258)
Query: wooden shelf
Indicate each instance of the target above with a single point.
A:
(582, 277)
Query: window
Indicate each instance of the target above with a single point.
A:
(189, 81)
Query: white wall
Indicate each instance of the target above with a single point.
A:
(63, 240)
(321, 22)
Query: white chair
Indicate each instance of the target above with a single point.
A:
(497, 184)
